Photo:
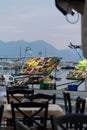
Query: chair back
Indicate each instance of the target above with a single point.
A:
(78, 121)
(80, 105)
(22, 93)
(31, 112)
(67, 102)
(40, 97)
(17, 87)
(1, 113)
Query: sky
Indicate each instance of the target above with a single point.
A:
(32, 20)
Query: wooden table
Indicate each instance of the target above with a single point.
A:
(19, 96)
(52, 109)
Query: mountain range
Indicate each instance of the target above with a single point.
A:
(37, 48)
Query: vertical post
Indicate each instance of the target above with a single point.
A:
(84, 30)
(86, 82)
(55, 78)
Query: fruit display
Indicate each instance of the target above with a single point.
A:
(39, 66)
(79, 72)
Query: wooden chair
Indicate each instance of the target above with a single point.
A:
(78, 121)
(31, 116)
(11, 94)
(40, 97)
(67, 102)
(80, 105)
(1, 114)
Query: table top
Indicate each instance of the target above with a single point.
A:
(4, 98)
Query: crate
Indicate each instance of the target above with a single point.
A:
(72, 87)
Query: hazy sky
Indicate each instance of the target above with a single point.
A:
(37, 20)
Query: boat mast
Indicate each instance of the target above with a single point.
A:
(45, 52)
(20, 52)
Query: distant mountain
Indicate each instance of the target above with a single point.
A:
(37, 48)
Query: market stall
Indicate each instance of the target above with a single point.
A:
(79, 73)
(38, 71)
